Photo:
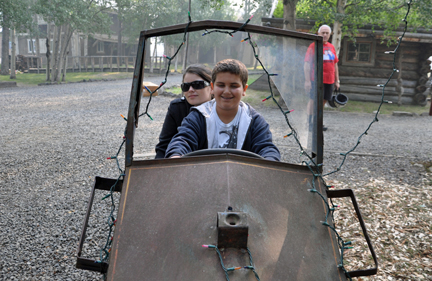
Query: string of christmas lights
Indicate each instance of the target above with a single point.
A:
(111, 221)
(313, 167)
(230, 33)
(226, 270)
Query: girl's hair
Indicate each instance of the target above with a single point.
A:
(201, 70)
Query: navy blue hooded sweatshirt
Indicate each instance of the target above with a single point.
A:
(198, 128)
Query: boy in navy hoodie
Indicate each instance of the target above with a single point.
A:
(225, 121)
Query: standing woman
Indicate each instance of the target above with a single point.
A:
(196, 90)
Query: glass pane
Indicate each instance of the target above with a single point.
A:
(282, 57)
(365, 47)
(364, 57)
(352, 56)
(352, 47)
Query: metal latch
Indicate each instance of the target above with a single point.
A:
(233, 230)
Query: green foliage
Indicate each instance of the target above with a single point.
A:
(278, 12)
(16, 14)
(355, 14)
(86, 16)
(138, 15)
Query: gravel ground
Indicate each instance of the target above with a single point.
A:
(55, 140)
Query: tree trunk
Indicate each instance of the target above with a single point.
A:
(64, 67)
(214, 55)
(63, 47)
(399, 88)
(67, 35)
(185, 53)
(111, 57)
(32, 44)
(187, 45)
(86, 45)
(48, 52)
(56, 43)
(5, 52)
(119, 44)
(255, 60)
(37, 45)
(12, 73)
(197, 46)
(289, 7)
(337, 26)
(152, 58)
(61, 44)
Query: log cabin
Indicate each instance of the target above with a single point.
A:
(363, 63)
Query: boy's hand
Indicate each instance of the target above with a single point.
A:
(175, 156)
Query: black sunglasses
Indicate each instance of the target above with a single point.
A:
(197, 85)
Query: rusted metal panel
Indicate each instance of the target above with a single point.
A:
(168, 210)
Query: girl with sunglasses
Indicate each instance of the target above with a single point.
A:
(196, 90)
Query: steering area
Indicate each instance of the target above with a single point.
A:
(215, 151)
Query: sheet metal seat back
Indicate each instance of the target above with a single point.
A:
(169, 209)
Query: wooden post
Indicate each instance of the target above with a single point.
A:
(127, 62)
(92, 63)
(101, 63)
(399, 86)
(79, 63)
(110, 64)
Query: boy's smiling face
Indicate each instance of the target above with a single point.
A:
(228, 91)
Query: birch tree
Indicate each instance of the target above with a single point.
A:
(13, 14)
(85, 16)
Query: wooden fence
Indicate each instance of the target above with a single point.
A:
(96, 64)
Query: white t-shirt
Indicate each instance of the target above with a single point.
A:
(226, 134)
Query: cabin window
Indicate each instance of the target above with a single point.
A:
(361, 52)
(100, 47)
(31, 45)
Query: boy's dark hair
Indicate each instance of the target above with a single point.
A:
(232, 66)
(201, 70)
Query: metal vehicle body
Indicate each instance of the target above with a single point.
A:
(241, 205)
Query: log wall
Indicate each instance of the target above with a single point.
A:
(406, 87)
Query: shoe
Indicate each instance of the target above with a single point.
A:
(324, 128)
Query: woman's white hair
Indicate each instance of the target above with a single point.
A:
(324, 25)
